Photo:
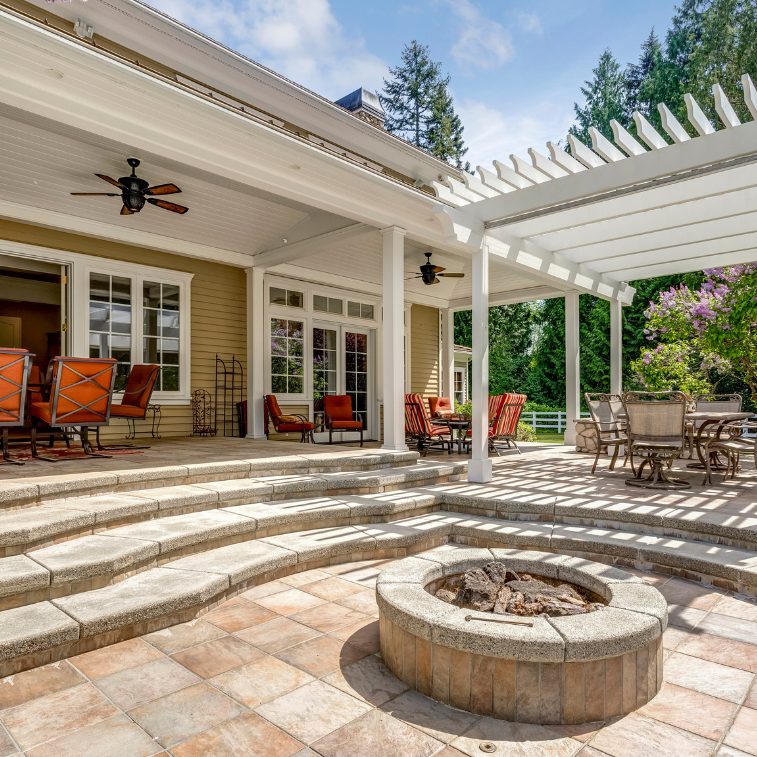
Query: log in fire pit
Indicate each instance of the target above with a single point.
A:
(525, 636)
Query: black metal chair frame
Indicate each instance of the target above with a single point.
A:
(425, 441)
(26, 359)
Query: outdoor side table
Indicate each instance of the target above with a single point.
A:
(157, 415)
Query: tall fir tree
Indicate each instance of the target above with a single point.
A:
(640, 92)
(420, 108)
(605, 99)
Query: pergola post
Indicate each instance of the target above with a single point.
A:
(393, 339)
(572, 366)
(480, 466)
(256, 336)
(448, 353)
(616, 347)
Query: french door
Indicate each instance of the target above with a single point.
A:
(343, 363)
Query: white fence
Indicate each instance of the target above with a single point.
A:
(555, 421)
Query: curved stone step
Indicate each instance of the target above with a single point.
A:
(185, 588)
(42, 489)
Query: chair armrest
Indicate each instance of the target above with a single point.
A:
(303, 418)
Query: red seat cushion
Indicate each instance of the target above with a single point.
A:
(339, 407)
(42, 411)
(295, 427)
(347, 424)
(127, 411)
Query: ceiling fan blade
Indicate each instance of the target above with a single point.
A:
(452, 275)
(95, 194)
(163, 189)
(410, 278)
(126, 212)
(436, 281)
(110, 181)
(439, 269)
(168, 205)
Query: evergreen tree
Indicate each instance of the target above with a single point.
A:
(409, 97)
(444, 133)
(606, 99)
(640, 92)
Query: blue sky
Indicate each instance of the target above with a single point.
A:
(516, 66)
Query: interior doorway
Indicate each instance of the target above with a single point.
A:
(33, 307)
(343, 363)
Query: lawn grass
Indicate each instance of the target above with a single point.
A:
(549, 437)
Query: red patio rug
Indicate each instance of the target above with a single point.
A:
(24, 454)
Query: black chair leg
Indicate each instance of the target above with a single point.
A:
(361, 436)
(331, 431)
(6, 454)
(86, 445)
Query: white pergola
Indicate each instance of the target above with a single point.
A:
(604, 215)
(314, 194)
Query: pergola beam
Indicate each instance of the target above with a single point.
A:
(530, 294)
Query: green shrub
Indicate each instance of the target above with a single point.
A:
(535, 407)
(525, 433)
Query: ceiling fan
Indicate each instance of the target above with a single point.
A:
(430, 272)
(135, 192)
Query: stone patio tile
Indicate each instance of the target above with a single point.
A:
(656, 579)
(33, 627)
(681, 616)
(742, 732)
(345, 569)
(332, 588)
(183, 714)
(321, 655)
(690, 710)
(448, 751)
(738, 606)
(751, 700)
(7, 747)
(516, 740)
(639, 736)
(367, 679)
(118, 735)
(289, 602)
(363, 634)
(580, 731)
(672, 637)
(239, 616)
(730, 628)
(440, 722)
(329, 617)
(215, 657)
(736, 654)
(707, 677)
(265, 590)
(154, 679)
(23, 687)
(690, 594)
(306, 577)
(112, 659)
(589, 751)
(261, 681)
(176, 638)
(312, 711)
(729, 751)
(375, 733)
(246, 736)
(56, 715)
(277, 634)
(364, 602)
(365, 577)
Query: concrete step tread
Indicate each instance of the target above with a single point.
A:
(189, 582)
(34, 490)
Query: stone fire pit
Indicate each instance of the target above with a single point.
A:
(559, 670)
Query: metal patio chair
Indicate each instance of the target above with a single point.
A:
(418, 427)
(656, 433)
(15, 365)
(504, 426)
(611, 429)
(730, 442)
(337, 412)
(285, 423)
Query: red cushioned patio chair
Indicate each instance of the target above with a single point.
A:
(504, 427)
(81, 395)
(14, 372)
(281, 421)
(337, 410)
(136, 397)
(420, 429)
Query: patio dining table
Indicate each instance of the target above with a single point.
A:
(460, 425)
(707, 419)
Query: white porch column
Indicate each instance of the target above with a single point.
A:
(393, 341)
(572, 366)
(448, 353)
(256, 336)
(616, 347)
(480, 466)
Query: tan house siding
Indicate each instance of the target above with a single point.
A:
(424, 351)
(218, 307)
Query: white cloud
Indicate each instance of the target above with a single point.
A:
(491, 133)
(482, 43)
(300, 39)
(529, 22)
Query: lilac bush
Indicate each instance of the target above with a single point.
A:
(703, 334)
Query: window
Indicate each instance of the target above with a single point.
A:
(460, 388)
(110, 322)
(287, 353)
(292, 299)
(356, 372)
(359, 310)
(160, 332)
(324, 362)
(323, 304)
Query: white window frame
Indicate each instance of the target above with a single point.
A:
(80, 266)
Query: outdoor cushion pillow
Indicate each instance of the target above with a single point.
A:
(444, 413)
(289, 419)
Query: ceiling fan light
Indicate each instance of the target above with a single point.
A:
(134, 202)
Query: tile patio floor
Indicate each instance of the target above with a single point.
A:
(291, 668)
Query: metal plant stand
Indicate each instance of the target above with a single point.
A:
(202, 414)
(228, 394)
